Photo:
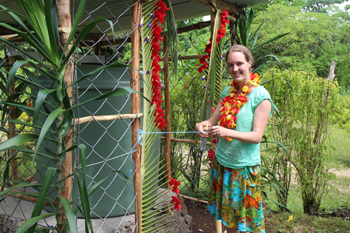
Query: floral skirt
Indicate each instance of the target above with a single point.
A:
(235, 197)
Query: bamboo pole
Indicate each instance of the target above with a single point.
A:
(193, 199)
(167, 110)
(12, 125)
(97, 47)
(84, 120)
(64, 21)
(232, 31)
(185, 141)
(218, 228)
(136, 103)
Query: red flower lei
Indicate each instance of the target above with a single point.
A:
(220, 34)
(159, 14)
(233, 102)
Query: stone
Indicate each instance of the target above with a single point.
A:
(179, 221)
(8, 225)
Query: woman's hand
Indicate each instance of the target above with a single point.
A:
(218, 131)
(203, 128)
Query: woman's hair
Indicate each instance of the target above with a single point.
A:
(241, 48)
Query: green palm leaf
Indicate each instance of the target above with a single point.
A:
(149, 220)
(214, 78)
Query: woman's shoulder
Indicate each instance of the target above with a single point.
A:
(225, 92)
(260, 91)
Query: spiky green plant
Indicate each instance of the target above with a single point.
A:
(244, 36)
(39, 28)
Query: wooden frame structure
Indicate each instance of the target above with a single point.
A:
(64, 19)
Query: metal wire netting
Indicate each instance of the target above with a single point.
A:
(101, 125)
(108, 139)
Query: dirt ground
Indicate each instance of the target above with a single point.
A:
(203, 222)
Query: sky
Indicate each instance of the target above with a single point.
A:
(341, 6)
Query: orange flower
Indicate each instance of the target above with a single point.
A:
(232, 103)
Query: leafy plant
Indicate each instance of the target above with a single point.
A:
(306, 106)
(244, 36)
(39, 28)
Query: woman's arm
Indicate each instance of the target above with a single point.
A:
(261, 115)
(213, 119)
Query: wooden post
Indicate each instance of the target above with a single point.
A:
(97, 47)
(64, 21)
(232, 30)
(136, 101)
(167, 110)
(12, 126)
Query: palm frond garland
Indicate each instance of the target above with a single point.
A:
(212, 70)
(151, 217)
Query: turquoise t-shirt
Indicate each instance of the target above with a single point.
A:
(236, 154)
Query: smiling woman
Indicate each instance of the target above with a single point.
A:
(241, 115)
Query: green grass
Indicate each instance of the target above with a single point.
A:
(278, 223)
(337, 197)
(332, 200)
(300, 222)
(340, 140)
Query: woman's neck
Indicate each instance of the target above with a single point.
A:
(242, 84)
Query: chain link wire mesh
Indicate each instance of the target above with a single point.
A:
(104, 126)
(21, 168)
(108, 142)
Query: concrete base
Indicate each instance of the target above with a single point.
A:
(22, 210)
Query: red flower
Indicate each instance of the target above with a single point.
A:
(161, 124)
(211, 155)
(208, 47)
(159, 14)
(176, 202)
(224, 13)
(30, 104)
(175, 184)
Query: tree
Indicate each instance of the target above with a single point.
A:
(315, 40)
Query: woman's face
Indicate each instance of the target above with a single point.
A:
(238, 67)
